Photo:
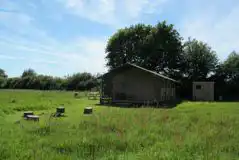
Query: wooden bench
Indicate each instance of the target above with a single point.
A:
(25, 114)
(88, 110)
(105, 100)
(93, 95)
(32, 117)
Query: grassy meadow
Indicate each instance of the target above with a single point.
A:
(192, 130)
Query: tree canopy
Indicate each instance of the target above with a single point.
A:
(231, 66)
(200, 60)
(28, 73)
(126, 45)
(157, 48)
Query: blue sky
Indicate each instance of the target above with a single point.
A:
(60, 37)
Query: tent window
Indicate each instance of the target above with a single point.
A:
(198, 86)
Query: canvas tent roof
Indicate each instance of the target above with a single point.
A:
(130, 65)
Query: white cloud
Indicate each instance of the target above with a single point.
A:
(112, 12)
(28, 60)
(216, 29)
(8, 5)
(44, 61)
(7, 57)
(92, 54)
(10, 19)
(84, 55)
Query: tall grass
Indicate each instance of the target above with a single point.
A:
(189, 131)
(23, 100)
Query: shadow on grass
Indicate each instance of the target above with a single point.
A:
(162, 105)
(227, 101)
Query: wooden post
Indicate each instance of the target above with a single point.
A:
(167, 90)
(88, 110)
(164, 90)
(170, 91)
(102, 88)
(76, 94)
(25, 114)
(60, 110)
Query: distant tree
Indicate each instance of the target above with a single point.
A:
(231, 66)
(231, 70)
(2, 82)
(13, 83)
(200, 60)
(227, 78)
(34, 83)
(81, 81)
(3, 73)
(28, 73)
(60, 83)
(46, 82)
(31, 80)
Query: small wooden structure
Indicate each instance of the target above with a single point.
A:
(105, 100)
(59, 111)
(88, 110)
(130, 83)
(203, 91)
(76, 94)
(29, 115)
(93, 95)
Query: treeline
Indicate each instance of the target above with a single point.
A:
(161, 48)
(31, 80)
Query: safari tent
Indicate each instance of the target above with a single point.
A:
(133, 84)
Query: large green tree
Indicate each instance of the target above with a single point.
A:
(157, 48)
(200, 60)
(126, 45)
(162, 50)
